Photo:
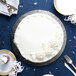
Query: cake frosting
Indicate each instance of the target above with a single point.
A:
(39, 37)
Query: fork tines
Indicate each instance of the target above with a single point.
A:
(68, 59)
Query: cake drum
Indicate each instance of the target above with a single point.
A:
(17, 52)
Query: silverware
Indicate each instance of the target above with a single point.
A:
(69, 60)
(10, 7)
(66, 65)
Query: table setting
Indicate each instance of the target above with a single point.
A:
(37, 38)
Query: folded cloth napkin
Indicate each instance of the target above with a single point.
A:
(4, 8)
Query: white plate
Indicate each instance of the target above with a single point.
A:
(65, 7)
(5, 69)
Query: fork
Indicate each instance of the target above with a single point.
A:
(67, 66)
(69, 60)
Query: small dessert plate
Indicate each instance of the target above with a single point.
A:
(65, 7)
(5, 69)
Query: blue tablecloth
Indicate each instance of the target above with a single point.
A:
(57, 68)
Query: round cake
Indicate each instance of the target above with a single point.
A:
(39, 37)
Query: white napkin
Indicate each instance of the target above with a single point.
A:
(4, 9)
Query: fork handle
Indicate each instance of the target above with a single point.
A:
(73, 66)
(70, 69)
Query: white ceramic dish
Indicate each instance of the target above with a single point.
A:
(5, 69)
(65, 7)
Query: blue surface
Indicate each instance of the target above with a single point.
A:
(57, 68)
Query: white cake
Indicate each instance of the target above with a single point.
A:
(39, 37)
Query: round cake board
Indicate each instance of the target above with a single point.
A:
(17, 52)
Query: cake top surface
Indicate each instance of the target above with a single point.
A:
(39, 37)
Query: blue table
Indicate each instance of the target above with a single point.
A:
(57, 68)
